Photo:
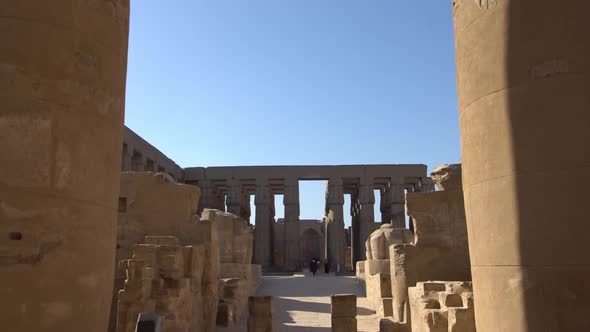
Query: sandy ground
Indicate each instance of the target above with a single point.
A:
(302, 303)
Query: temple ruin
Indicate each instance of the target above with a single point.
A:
(500, 245)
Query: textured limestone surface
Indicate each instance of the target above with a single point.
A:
(62, 89)
(522, 78)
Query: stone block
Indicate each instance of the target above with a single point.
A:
(225, 313)
(374, 266)
(438, 306)
(379, 241)
(344, 324)
(385, 307)
(343, 306)
(436, 321)
(461, 320)
(260, 325)
(448, 177)
(390, 325)
(260, 306)
(360, 270)
(171, 261)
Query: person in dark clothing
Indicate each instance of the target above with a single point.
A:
(313, 267)
(327, 266)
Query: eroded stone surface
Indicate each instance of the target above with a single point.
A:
(62, 89)
(447, 177)
(442, 306)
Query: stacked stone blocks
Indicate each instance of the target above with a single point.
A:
(344, 313)
(439, 306)
(166, 279)
(260, 311)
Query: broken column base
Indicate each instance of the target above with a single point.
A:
(260, 314)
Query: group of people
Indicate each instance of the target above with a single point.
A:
(315, 266)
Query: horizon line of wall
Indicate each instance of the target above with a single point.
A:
(138, 155)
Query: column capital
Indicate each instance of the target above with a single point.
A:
(366, 194)
(291, 196)
(335, 192)
(234, 192)
(262, 196)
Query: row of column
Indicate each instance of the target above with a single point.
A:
(392, 204)
(363, 216)
(362, 211)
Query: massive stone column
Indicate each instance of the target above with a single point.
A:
(335, 246)
(291, 228)
(354, 231)
(397, 201)
(392, 204)
(522, 73)
(208, 196)
(245, 207)
(384, 204)
(366, 215)
(234, 197)
(62, 87)
(263, 229)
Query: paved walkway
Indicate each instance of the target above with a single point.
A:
(302, 303)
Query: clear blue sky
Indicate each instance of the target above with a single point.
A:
(273, 82)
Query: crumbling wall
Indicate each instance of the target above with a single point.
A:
(239, 278)
(174, 281)
(152, 204)
(440, 250)
(439, 306)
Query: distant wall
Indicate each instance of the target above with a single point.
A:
(141, 156)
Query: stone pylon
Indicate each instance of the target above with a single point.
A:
(522, 73)
(62, 87)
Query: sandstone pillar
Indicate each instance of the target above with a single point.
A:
(354, 229)
(263, 229)
(291, 227)
(366, 215)
(62, 87)
(335, 246)
(384, 205)
(522, 73)
(245, 212)
(343, 312)
(260, 310)
(234, 197)
(208, 196)
(396, 201)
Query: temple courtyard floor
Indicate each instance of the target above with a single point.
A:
(302, 303)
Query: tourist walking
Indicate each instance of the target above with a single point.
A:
(313, 266)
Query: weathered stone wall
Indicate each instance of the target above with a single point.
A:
(440, 249)
(239, 278)
(439, 306)
(152, 204)
(62, 92)
(140, 156)
(172, 281)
